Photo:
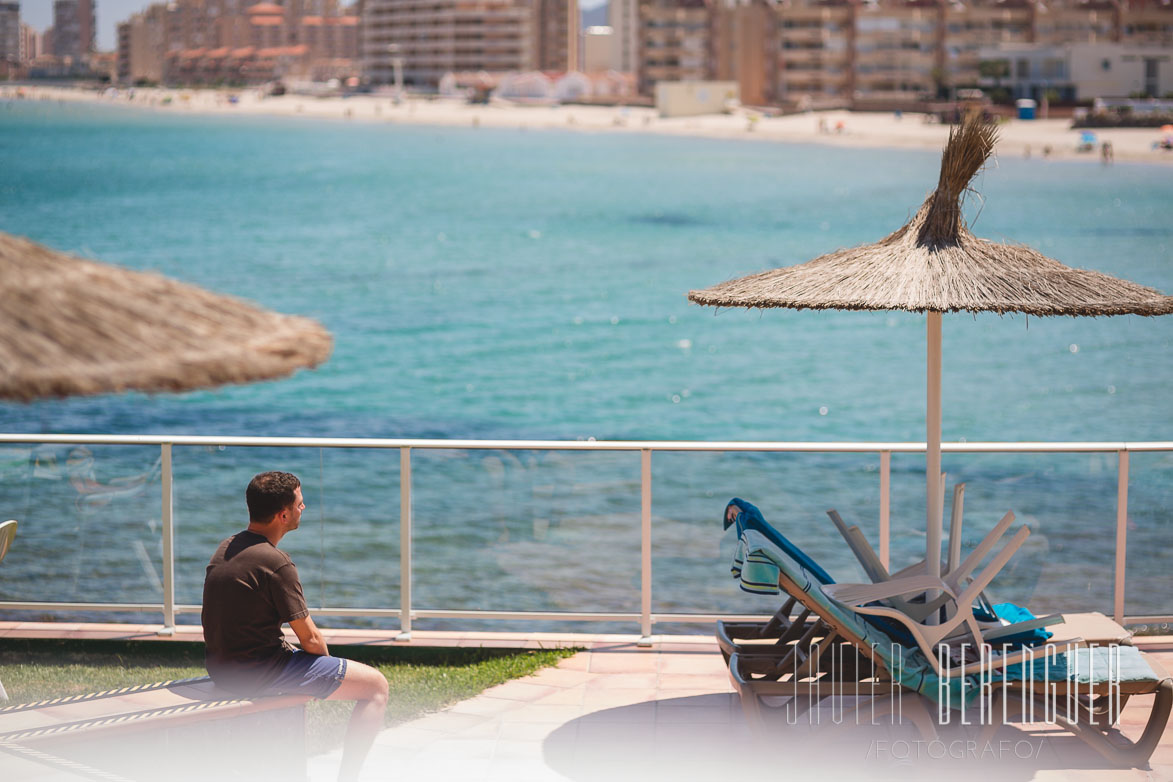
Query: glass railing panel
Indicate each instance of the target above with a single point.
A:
(89, 519)
(507, 530)
(347, 547)
(1148, 579)
(1068, 500)
(692, 553)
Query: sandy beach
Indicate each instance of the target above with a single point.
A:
(1051, 138)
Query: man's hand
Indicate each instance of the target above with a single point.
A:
(309, 636)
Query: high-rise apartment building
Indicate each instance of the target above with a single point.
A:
(143, 45)
(10, 32)
(1147, 23)
(745, 41)
(31, 45)
(555, 26)
(434, 37)
(897, 49)
(978, 25)
(675, 42)
(623, 19)
(73, 28)
(238, 41)
(816, 52)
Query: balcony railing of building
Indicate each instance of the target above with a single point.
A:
(408, 611)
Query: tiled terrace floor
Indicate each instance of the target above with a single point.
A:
(619, 712)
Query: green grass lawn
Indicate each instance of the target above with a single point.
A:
(422, 680)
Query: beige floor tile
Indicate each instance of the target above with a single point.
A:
(697, 698)
(485, 706)
(449, 721)
(624, 662)
(519, 690)
(610, 698)
(516, 748)
(710, 682)
(564, 697)
(526, 731)
(694, 664)
(624, 681)
(441, 769)
(579, 662)
(533, 712)
(675, 646)
(489, 729)
(409, 737)
(693, 715)
(641, 713)
(559, 677)
(470, 749)
(521, 770)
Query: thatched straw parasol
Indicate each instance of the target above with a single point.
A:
(934, 264)
(74, 327)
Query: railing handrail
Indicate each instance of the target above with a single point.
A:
(796, 446)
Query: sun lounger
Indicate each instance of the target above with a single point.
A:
(843, 656)
(782, 629)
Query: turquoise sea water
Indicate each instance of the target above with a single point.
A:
(511, 284)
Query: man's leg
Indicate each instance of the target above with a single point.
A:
(368, 687)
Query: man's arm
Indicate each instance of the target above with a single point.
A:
(309, 636)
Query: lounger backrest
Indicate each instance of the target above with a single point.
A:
(748, 517)
(7, 533)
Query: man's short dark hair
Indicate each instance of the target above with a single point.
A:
(269, 493)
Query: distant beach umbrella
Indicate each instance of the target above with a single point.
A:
(71, 327)
(934, 264)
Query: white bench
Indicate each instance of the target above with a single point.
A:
(173, 730)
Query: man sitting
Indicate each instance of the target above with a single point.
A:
(251, 589)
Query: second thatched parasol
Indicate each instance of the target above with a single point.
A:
(72, 327)
(933, 264)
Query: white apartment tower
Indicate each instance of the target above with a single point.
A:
(623, 19)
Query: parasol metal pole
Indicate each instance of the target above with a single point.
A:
(933, 448)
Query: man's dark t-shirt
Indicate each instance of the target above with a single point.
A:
(250, 590)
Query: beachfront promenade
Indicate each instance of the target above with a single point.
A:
(617, 711)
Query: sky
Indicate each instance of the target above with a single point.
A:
(39, 14)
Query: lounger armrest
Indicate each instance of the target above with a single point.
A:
(861, 594)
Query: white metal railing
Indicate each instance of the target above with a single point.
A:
(646, 618)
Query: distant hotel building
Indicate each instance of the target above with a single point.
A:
(869, 52)
(623, 19)
(1081, 71)
(31, 43)
(674, 42)
(436, 37)
(73, 28)
(10, 34)
(237, 42)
